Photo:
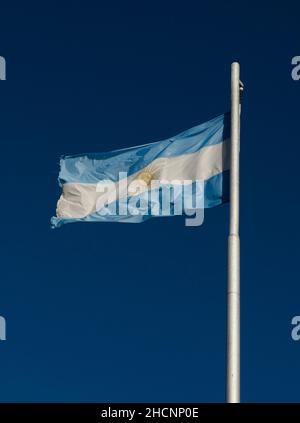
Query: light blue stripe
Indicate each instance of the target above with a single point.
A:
(91, 168)
(216, 192)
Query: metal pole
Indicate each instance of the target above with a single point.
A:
(233, 287)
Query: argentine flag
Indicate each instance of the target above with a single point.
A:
(95, 186)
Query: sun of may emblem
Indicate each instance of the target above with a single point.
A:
(145, 176)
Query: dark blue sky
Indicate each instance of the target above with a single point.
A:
(113, 312)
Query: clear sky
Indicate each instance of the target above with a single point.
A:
(116, 312)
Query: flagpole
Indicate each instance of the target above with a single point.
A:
(233, 283)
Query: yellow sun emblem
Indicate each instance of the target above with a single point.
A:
(146, 176)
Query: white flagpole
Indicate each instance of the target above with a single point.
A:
(233, 284)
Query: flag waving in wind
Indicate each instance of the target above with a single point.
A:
(127, 185)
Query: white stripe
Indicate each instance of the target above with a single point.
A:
(80, 199)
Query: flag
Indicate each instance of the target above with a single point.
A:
(103, 187)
